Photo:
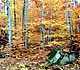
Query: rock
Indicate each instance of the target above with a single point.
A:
(65, 59)
(2, 54)
(78, 61)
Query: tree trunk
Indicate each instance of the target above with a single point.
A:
(9, 24)
(68, 19)
(26, 38)
(14, 18)
(23, 19)
(43, 26)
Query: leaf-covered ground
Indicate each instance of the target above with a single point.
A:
(32, 59)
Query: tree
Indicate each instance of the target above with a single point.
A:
(14, 17)
(23, 19)
(26, 38)
(43, 26)
(71, 17)
(9, 24)
(0, 4)
(49, 26)
(68, 19)
(76, 5)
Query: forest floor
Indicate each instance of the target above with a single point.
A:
(32, 59)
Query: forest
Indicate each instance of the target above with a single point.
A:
(39, 34)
